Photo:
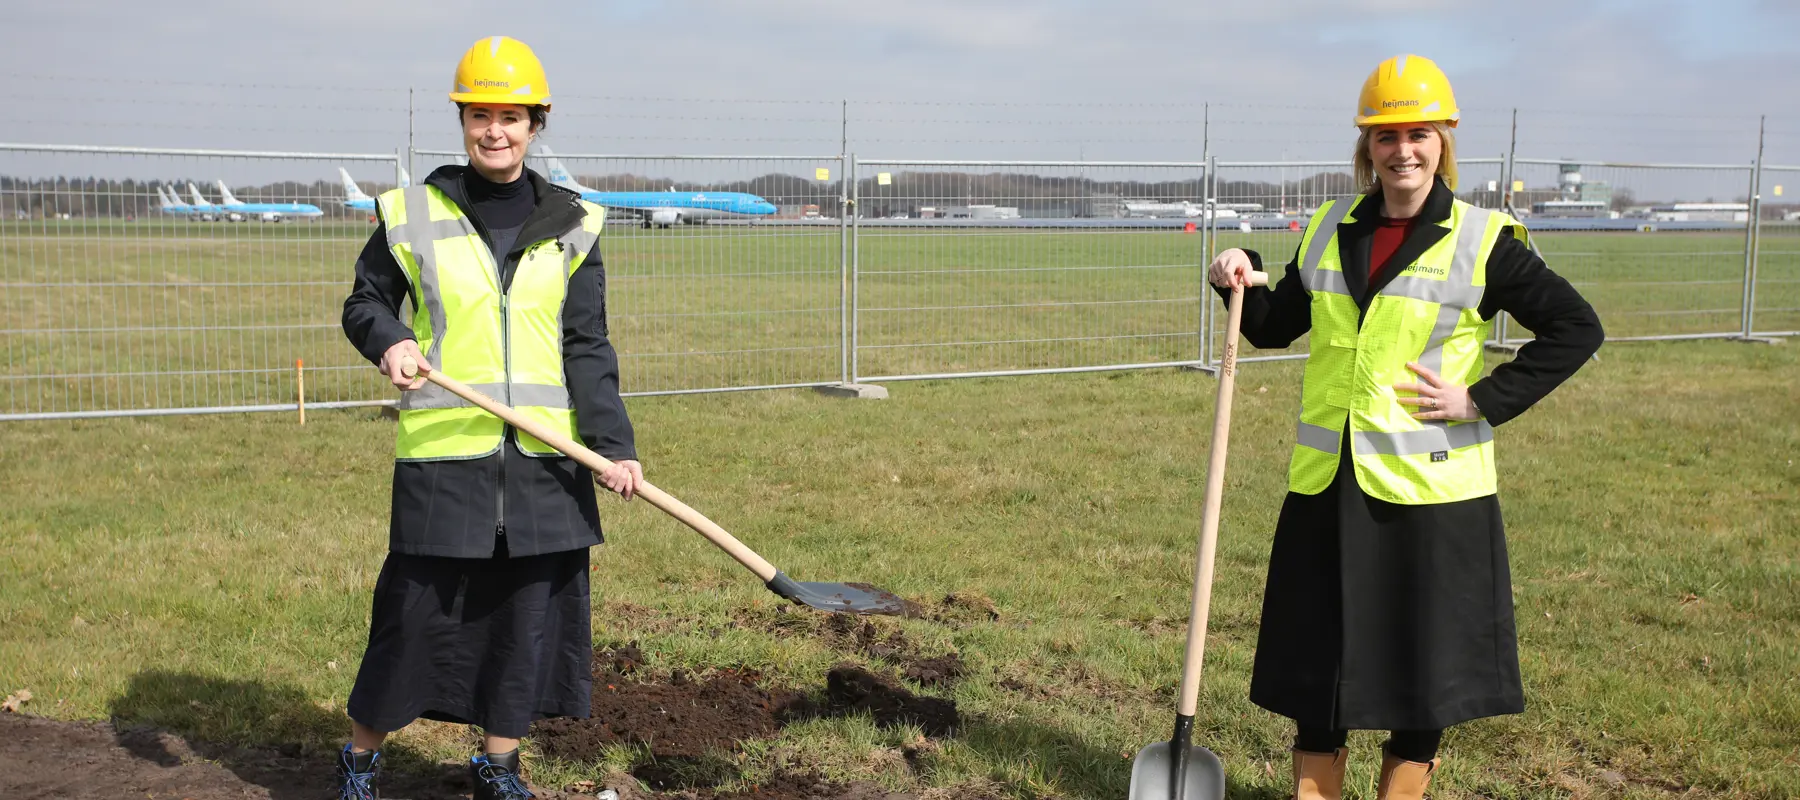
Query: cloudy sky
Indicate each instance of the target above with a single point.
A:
(1045, 79)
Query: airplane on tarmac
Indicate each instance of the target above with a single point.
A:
(170, 203)
(204, 209)
(265, 212)
(663, 209)
(354, 198)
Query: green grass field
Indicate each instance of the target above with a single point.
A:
(161, 313)
(211, 574)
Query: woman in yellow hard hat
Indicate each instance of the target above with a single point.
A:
(481, 611)
(1388, 604)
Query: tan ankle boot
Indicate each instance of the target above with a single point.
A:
(1319, 776)
(1402, 779)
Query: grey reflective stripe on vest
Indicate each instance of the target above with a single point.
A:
(420, 236)
(1437, 436)
(1324, 235)
(1318, 437)
(1458, 290)
(577, 243)
(523, 394)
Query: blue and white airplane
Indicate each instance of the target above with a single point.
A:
(265, 212)
(205, 209)
(170, 203)
(663, 209)
(353, 194)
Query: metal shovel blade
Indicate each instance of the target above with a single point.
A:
(841, 598)
(1202, 779)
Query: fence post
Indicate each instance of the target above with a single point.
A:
(1752, 237)
(1512, 153)
(1206, 233)
(845, 374)
(410, 145)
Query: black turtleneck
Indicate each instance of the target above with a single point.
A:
(501, 207)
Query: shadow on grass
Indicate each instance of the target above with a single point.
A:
(269, 735)
(1075, 765)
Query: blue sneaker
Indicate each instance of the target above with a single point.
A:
(496, 777)
(356, 773)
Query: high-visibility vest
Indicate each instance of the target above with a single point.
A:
(1430, 314)
(507, 344)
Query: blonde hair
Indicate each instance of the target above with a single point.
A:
(1365, 166)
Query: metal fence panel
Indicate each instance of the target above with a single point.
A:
(975, 268)
(705, 290)
(1676, 270)
(1775, 295)
(117, 300)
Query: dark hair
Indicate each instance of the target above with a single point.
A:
(540, 119)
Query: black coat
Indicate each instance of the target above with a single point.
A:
(506, 502)
(1384, 616)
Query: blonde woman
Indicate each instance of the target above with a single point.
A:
(1388, 602)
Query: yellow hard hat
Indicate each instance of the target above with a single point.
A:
(1406, 88)
(501, 69)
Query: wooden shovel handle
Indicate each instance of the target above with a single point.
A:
(598, 463)
(1215, 495)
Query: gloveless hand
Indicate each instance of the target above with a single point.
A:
(623, 477)
(1439, 398)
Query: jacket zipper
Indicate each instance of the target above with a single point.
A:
(506, 431)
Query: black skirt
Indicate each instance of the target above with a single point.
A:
(496, 643)
(1385, 616)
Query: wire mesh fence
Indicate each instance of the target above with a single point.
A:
(723, 273)
(1774, 306)
(1660, 250)
(167, 281)
(150, 281)
(980, 268)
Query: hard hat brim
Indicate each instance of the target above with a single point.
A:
(1399, 119)
(502, 99)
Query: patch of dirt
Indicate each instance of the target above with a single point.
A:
(95, 761)
(964, 608)
(862, 635)
(681, 718)
(852, 690)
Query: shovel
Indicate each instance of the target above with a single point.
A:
(850, 598)
(1178, 769)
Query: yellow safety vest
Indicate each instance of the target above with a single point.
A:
(1429, 313)
(506, 344)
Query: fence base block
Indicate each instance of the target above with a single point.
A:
(1757, 339)
(858, 391)
(1496, 347)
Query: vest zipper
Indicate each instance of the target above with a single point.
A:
(506, 431)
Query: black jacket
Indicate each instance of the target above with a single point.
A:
(1385, 616)
(506, 502)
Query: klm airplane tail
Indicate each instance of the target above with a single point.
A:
(199, 199)
(225, 192)
(405, 179)
(351, 190)
(560, 175)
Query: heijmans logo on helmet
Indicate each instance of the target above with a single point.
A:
(1398, 103)
(488, 84)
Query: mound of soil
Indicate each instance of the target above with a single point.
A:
(679, 719)
(851, 690)
(847, 633)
